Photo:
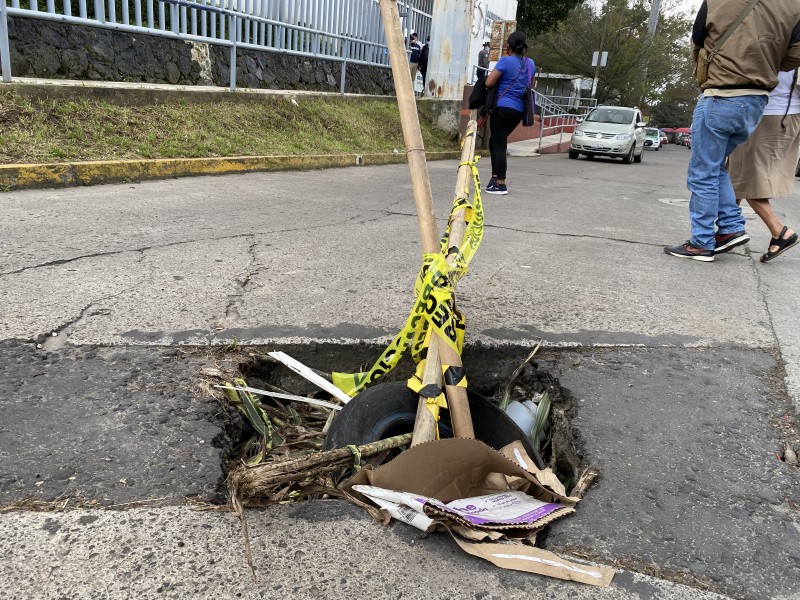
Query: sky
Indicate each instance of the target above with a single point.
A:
(689, 5)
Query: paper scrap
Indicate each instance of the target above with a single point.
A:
(502, 508)
(405, 507)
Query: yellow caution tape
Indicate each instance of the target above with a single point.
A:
(434, 311)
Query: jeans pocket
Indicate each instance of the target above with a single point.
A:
(726, 115)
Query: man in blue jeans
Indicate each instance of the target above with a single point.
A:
(735, 92)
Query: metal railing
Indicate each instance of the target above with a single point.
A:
(557, 125)
(346, 31)
(554, 117)
(553, 105)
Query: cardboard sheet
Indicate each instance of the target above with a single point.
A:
(492, 503)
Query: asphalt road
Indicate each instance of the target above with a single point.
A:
(682, 378)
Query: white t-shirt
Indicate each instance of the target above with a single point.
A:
(779, 97)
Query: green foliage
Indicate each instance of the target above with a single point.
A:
(42, 130)
(643, 70)
(539, 16)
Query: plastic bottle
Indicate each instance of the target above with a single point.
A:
(523, 414)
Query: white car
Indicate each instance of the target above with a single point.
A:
(652, 139)
(615, 131)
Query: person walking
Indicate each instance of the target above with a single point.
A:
(483, 61)
(764, 166)
(512, 75)
(413, 59)
(762, 39)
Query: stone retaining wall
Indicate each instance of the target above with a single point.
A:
(64, 51)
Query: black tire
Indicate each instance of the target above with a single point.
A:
(389, 409)
(628, 158)
(638, 159)
(574, 154)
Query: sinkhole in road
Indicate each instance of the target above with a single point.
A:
(296, 430)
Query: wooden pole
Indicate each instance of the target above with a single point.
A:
(425, 426)
(457, 400)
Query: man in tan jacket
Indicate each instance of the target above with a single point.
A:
(742, 69)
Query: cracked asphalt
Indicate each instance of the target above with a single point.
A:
(682, 378)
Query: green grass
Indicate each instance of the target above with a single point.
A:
(42, 131)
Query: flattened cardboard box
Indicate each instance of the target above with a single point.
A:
(454, 469)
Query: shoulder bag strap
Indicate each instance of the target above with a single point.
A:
(510, 85)
(731, 29)
(789, 102)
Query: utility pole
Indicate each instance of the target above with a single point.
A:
(652, 22)
(600, 62)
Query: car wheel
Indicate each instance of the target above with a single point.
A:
(638, 159)
(573, 154)
(628, 158)
(389, 409)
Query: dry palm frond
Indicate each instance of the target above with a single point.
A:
(506, 396)
(310, 474)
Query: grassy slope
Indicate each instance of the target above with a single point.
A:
(43, 131)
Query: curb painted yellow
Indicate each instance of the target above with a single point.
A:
(20, 177)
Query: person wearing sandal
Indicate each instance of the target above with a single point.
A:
(736, 79)
(764, 166)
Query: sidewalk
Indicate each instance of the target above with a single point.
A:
(682, 378)
(549, 144)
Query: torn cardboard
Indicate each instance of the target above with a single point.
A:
(535, 560)
(492, 503)
(452, 469)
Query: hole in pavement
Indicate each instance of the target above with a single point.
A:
(488, 372)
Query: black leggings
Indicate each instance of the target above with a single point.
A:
(502, 122)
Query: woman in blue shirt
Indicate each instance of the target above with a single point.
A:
(512, 75)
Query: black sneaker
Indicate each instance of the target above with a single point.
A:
(497, 188)
(686, 250)
(729, 241)
(492, 184)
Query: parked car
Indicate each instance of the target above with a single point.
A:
(663, 137)
(687, 141)
(615, 131)
(652, 139)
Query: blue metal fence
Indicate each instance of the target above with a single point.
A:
(337, 30)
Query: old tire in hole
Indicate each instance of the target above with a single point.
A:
(389, 409)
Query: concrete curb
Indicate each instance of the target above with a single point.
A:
(57, 175)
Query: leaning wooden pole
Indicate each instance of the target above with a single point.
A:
(425, 426)
(433, 360)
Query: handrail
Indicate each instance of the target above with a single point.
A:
(564, 120)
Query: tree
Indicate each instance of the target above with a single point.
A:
(539, 16)
(641, 66)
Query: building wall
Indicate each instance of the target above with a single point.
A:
(458, 30)
(487, 12)
(63, 51)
